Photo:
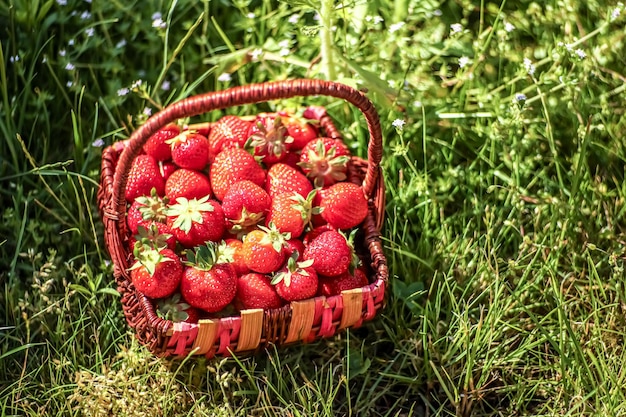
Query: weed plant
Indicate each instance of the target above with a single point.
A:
(504, 168)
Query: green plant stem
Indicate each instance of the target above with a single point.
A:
(328, 62)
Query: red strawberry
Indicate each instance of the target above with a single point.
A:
(231, 251)
(344, 205)
(245, 204)
(269, 138)
(256, 291)
(233, 165)
(263, 249)
(206, 284)
(155, 234)
(294, 245)
(309, 236)
(146, 209)
(187, 183)
(156, 272)
(325, 161)
(335, 285)
(174, 309)
(156, 145)
(195, 222)
(228, 132)
(282, 178)
(166, 169)
(296, 281)
(144, 175)
(332, 254)
(190, 150)
(291, 212)
(301, 131)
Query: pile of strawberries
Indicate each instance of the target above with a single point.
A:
(251, 212)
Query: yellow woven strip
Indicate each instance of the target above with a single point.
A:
(207, 332)
(251, 328)
(303, 313)
(352, 307)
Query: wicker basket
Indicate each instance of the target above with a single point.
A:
(252, 330)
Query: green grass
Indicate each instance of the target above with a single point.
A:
(504, 228)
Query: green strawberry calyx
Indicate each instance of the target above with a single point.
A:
(152, 207)
(173, 309)
(305, 206)
(202, 257)
(187, 212)
(181, 138)
(272, 138)
(274, 237)
(225, 253)
(293, 267)
(148, 257)
(151, 237)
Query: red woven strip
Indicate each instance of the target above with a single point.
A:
(368, 304)
(184, 334)
(326, 327)
(229, 332)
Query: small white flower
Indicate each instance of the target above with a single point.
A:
(508, 26)
(529, 66)
(13, 59)
(123, 91)
(44, 59)
(69, 84)
(438, 12)
(615, 13)
(398, 124)
(165, 86)
(62, 2)
(85, 15)
(569, 47)
(136, 84)
(293, 19)
(464, 61)
(378, 19)
(581, 54)
(120, 44)
(157, 21)
(89, 32)
(62, 52)
(250, 15)
(284, 52)
(98, 143)
(88, 1)
(396, 27)
(255, 54)
(456, 28)
(317, 17)
(71, 42)
(147, 111)
(224, 77)
(519, 97)
(417, 104)
(284, 43)
(69, 66)
(156, 15)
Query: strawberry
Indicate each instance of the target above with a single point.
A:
(190, 150)
(294, 245)
(296, 281)
(344, 205)
(335, 285)
(166, 169)
(187, 183)
(206, 284)
(263, 249)
(156, 273)
(325, 161)
(256, 291)
(231, 250)
(291, 212)
(176, 310)
(245, 204)
(282, 178)
(332, 253)
(157, 146)
(300, 130)
(228, 132)
(233, 165)
(312, 234)
(146, 209)
(158, 235)
(194, 222)
(269, 138)
(144, 175)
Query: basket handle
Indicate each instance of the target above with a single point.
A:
(249, 94)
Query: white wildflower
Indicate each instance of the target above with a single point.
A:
(147, 111)
(165, 86)
(615, 13)
(293, 19)
(378, 19)
(250, 15)
(89, 32)
(508, 26)
(62, 2)
(13, 59)
(85, 15)
(69, 84)
(438, 12)
(396, 27)
(519, 97)
(581, 54)
(529, 66)
(224, 77)
(120, 44)
(464, 61)
(136, 84)
(71, 42)
(398, 124)
(69, 66)
(98, 143)
(255, 54)
(456, 28)
(123, 91)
